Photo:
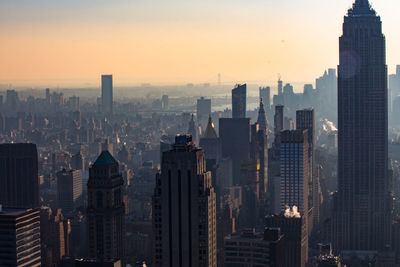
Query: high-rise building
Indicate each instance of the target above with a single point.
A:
(78, 161)
(239, 95)
(278, 127)
(184, 209)
(262, 119)
(193, 130)
(211, 145)
(203, 111)
(294, 170)
(107, 94)
(235, 136)
(362, 206)
(265, 95)
(255, 249)
(48, 96)
(19, 180)
(165, 102)
(105, 211)
(294, 229)
(12, 99)
(54, 236)
(20, 237)
(69, 190)
(305, 120)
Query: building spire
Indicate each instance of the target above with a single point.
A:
(262, 120)
(210, 131)
(361, 8)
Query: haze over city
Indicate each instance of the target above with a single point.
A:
(68, 43)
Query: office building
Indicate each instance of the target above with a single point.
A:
(278, 127)
(362, 207)
(235, 136)
(107, 94)
(305, 120)
(193, 130)
(329, 261)
(54, 236)
(211, 145)
(265, 96)
(78, 161)
(165, 102)
(294, 170)
(293, 227)
(19, 180)
(203, 111)
(262, 119)
(69, 190)
(255, 249)
(20, 237)
(184, 209)
(239, 95)
(105, 211)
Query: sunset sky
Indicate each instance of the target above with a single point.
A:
(72, 42)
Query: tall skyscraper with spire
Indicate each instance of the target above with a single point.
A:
(362, 207)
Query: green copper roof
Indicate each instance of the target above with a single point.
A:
(104, 159)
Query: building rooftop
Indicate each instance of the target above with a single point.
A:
(210, 132)
(104, 159)
(11, 211)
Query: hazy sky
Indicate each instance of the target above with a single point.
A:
(66, 42)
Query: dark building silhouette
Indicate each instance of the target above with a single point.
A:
(107, 94)
(235, 136)
(255, 249)
(203, 111)
(362, 208)
(239, 95)
(69, 190)
(184, 209)
(105, 211)
(20, 237)
(294, 230)
(262, 142)
(265, 95)
(211, 145)
(19, 180)
(305, 120)
(278, 127)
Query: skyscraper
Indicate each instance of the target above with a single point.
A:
(105, 211)
(203, 111)
(69, 190)
(255, 249)
(305, 120)
(107, 94)
(184, 209)
(235, 136)
(20, 237)
(362, 206)
(239, 95)
(19, 180)
(278, 127)
(294, 170)
(265, 95)
(295, 239)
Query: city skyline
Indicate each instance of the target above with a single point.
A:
(70, 44)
